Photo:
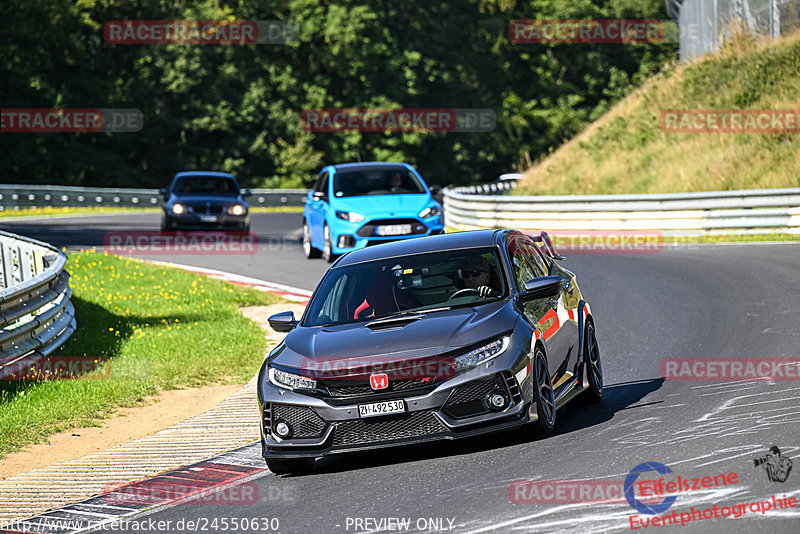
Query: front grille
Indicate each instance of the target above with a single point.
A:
(469, 400)
(200, 208)
(304, 421)
(353, 388)
(266, 419)
(368, 230)
(513, 387)
(389, 428)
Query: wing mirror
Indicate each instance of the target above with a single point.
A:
(246, 193)
(541, 288)
(164, 193)
(283, 321)
(319, 195)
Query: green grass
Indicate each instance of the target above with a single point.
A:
(627, 152)
(276, 209)
(162, 328)
(44, 212)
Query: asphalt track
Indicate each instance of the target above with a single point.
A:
(693, 302)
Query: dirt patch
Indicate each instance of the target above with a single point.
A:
(163, 411)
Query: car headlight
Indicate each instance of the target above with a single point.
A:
(177, 209)
(238, 209)
(481, 354)
(289, 380)
(350, 216)
(433, 211)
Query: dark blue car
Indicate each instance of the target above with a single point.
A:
(200, 200)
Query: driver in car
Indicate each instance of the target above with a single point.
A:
(395, 182)
(475, 272)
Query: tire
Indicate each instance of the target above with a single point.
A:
(308, 249)
(543, 394)
(245, 228)
(327, 251)
(288, 466)
(594, 367)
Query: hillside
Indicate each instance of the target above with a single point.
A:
(626, 151)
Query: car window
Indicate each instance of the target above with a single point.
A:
(324, 185)
(321, 185)
(536, 259)
(205, 185)
(391, 181)
(412, 283)
(524, 260)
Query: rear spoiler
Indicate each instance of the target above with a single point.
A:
(547, 245)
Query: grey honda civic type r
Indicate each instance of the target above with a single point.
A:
(426, 339)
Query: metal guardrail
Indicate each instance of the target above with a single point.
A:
(36, 315)
(704, 24)
(39, 196)
(679, 214)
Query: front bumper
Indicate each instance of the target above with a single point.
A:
(198, 221)
(347, 236)
(452, 409)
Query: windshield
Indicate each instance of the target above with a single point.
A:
(371, 290)
(205, 185)
(391, 181)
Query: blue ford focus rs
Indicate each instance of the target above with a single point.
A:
(355, 205)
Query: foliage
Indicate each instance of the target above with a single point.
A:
(162, 328)
(237, 108)
(628, 152)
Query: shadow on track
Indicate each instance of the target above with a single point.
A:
(576, 416)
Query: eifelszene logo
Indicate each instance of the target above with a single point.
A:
(638, 505)
(775, 464)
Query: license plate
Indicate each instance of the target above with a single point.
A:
(381, 408)
(208, 218)
(394, 229)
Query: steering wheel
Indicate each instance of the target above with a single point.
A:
(462, 292)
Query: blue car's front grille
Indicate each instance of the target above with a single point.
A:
(203, 209)
(369, 229)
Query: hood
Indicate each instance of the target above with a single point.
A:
(382, 205)
(353, 350)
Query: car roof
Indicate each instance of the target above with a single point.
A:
(420, 245)
(366, 165)
(203, 173)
